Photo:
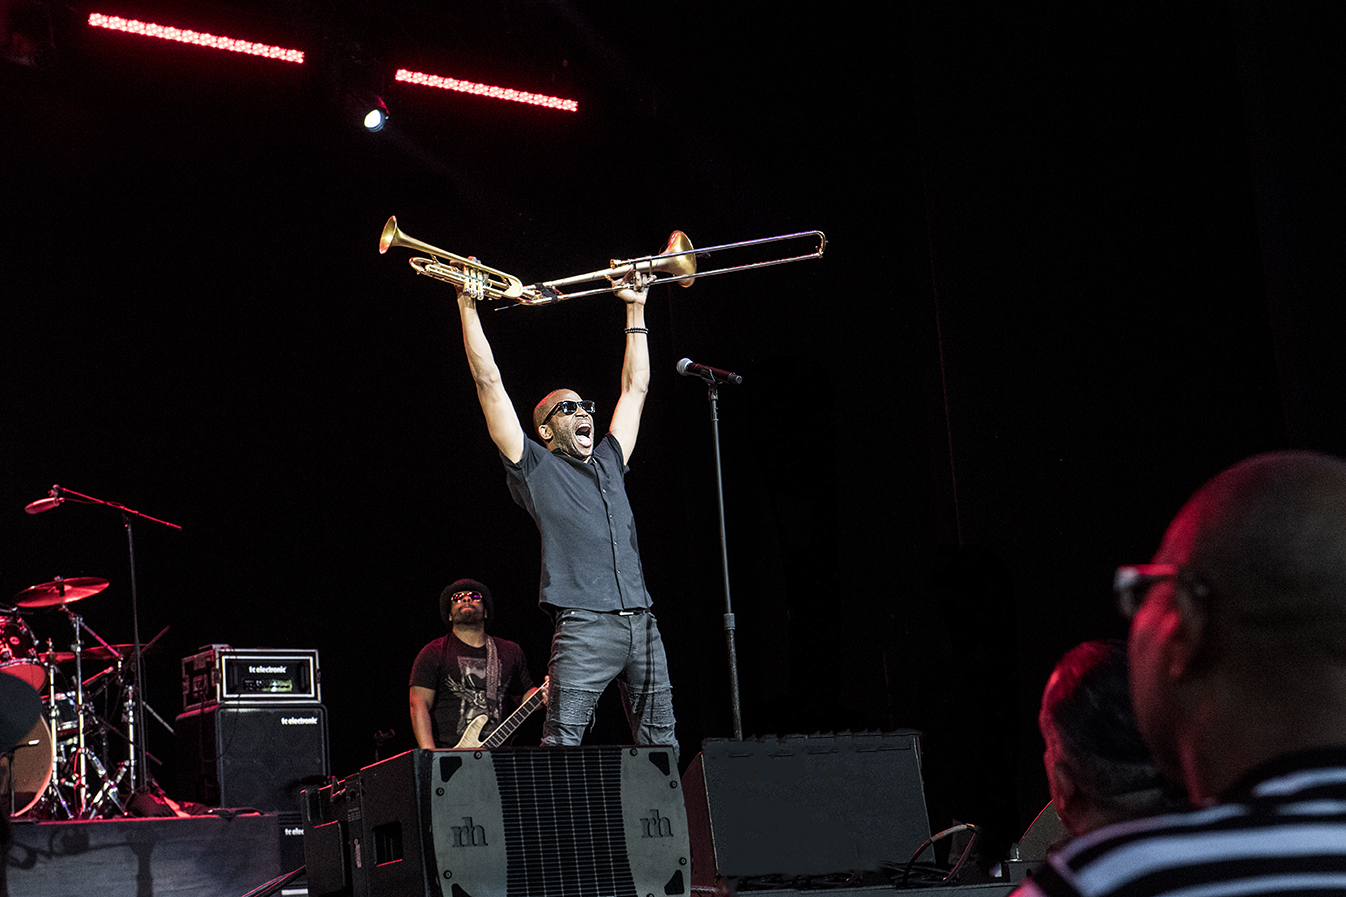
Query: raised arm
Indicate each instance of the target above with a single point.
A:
(501, 421)
(635, 372)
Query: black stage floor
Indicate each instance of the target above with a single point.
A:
(202, 856)
(213, 857)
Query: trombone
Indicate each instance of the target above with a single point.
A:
(677, 261)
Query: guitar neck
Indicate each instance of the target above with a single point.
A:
(515, 719)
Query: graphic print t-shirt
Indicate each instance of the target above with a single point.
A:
(457, 673)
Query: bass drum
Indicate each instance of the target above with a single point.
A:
(18, 652)
(28, 769)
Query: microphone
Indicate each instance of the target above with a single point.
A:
(689, 368)
(45, 504)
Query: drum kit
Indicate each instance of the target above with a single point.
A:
(65, 768)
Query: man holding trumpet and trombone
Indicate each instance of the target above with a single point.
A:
(574, 489)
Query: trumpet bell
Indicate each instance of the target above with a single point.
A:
(468, 274)
(390, 237)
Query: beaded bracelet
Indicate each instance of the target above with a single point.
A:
(644, 330)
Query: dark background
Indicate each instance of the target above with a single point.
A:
(1079, 261)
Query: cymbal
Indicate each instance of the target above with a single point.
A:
(102, 652)
(112, 652)
(96, 653)
(60, 591)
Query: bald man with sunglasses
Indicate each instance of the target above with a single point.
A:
(1237, 658)
(593, 584)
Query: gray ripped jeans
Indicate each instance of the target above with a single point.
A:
(589, 650)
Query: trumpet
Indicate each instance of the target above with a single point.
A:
(677, 262)
(477, 279)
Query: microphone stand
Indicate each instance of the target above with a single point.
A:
(139, 759)
(713, 396)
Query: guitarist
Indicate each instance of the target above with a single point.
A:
(467, 673)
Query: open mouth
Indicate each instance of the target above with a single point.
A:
(584, 435)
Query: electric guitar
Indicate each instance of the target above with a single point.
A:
(470, 741)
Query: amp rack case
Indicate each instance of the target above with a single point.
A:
(220, 674)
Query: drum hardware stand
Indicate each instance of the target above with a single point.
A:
(82, 788)
(126, 769)
(76, 766)
(110, 790)
(138, 750)
(83, 754)
(54, 799)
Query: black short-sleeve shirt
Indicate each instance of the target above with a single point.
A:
(590, 556)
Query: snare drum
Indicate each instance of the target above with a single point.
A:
(30, 770)
(18, 652)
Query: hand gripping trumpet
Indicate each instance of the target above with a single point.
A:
(677, 262)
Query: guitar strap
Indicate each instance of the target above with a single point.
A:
(492, 680)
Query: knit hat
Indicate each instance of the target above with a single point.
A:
(464, 585)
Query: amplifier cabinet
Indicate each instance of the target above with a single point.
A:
(522, 822)
(220, 673)
(804, 805)
(251, 756)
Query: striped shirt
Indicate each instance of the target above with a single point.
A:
(1282, 830)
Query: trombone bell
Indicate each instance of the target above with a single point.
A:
(677, 260)
(682, 259)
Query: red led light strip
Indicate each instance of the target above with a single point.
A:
(234, 45)
(487, 90)
(199, 38)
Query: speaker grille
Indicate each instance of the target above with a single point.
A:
(240, 756)
(563, 812)
(548, 822)
(806, 805)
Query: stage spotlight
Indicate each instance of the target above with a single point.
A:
(368, 108)
(375, 118)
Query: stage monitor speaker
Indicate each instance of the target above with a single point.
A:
(804, 805)
(251, 756)
(560, 822)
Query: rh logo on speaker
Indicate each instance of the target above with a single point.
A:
(465, 835)
(657, 826)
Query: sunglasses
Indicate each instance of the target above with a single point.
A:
(1133, 583)
(570, 406)
(464, 597)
